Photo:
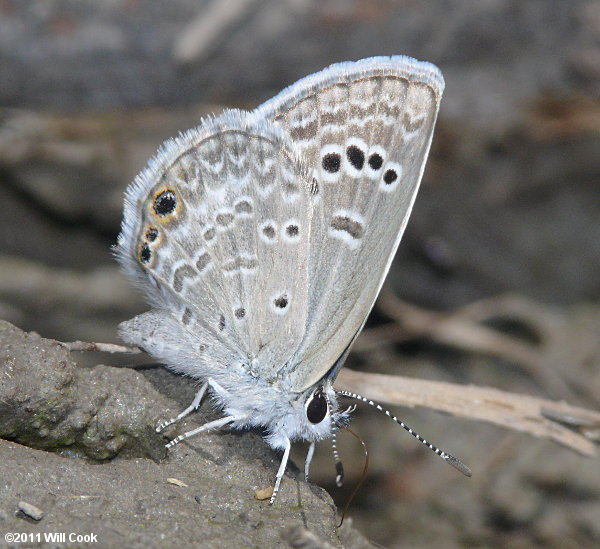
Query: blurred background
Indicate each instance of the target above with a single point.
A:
(505, 230)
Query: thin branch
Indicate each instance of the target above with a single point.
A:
(535, 416)
(100, 347)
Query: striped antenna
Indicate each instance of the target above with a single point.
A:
(448, 458)
(339, 468)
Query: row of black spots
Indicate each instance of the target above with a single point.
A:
(146, 251)
(165, 204)
(269, 231)
(239, 313)
(332, 162)
(280, 303)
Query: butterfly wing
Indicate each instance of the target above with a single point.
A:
(262, 239)
(214, 233)
(364, 129)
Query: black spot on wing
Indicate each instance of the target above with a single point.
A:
(165, 203)
(356, 157)
(145, 254)
(331, 162)
(390, 176)
(375, 161)
(281, 302)
(151, 235)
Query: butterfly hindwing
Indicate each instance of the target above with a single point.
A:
(216, 232)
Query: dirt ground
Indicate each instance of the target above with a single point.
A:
(506, 222)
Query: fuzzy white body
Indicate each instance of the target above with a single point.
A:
(256, 402)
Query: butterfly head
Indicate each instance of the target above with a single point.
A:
(313, 416)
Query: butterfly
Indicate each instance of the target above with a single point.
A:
(261, 240)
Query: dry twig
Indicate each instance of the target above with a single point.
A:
(100, 347)
(531, 415)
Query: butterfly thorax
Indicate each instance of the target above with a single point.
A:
(281, 414)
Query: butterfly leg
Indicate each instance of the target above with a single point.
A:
(192, 407)
(206, 427)
(309, 456)
(281, 470)
(218, 389)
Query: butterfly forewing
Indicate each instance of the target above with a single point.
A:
(364, 130)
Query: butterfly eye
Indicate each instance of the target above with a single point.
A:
(317, 408)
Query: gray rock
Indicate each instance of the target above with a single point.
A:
(47, 402)
(129, 503)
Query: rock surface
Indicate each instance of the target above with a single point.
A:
(201, 495)
(47, 402)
